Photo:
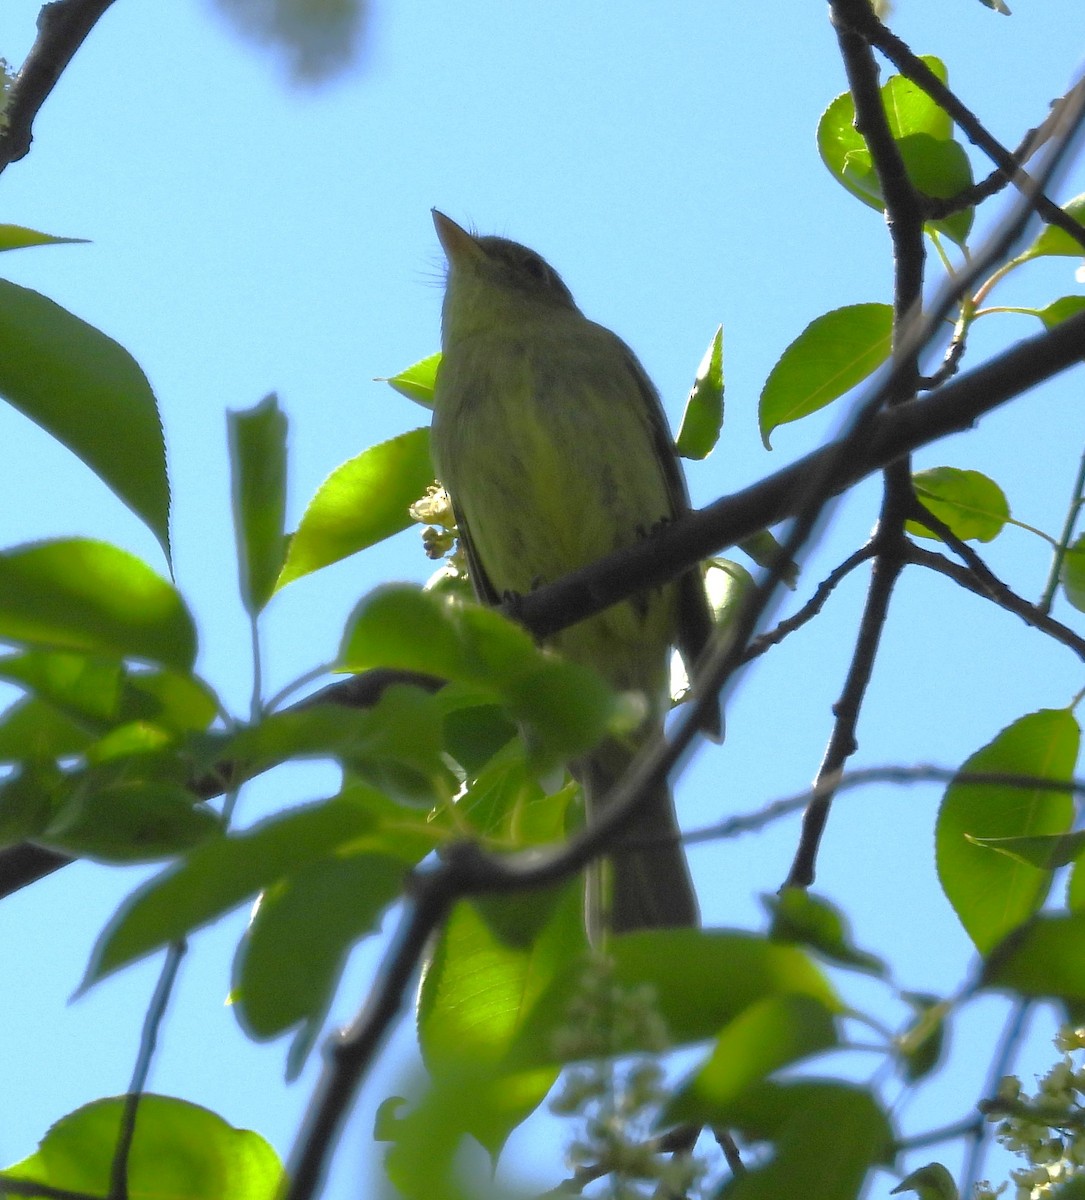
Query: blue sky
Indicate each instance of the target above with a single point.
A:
(247, 236)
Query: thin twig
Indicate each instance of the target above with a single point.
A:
(152, 1024)
(842, 741)
(981, 581)
(933, 1137)
(812, 607)
(1072, 513)
(904, 218)
(896, 776)
(1013, 1034)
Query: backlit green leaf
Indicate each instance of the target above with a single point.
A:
(972, 505)
(179, 1149)
(993, 893)
(1045, 957)
(224, 873)
(135, 821)
(703, 417)
(832, 354)
(1055, 241)
(361, 503)
(417, 381)
(936, 165)
(1072, 573)
(16, 237)
(76, 594)
(90, 394)
(257, 440)
(770, 1034)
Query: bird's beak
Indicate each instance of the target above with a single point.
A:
(459, 246)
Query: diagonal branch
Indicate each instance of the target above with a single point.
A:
(954, 407)
(858, 16)
(63, 26)
(982, 582)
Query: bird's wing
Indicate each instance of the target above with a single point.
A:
(695, 621)
(480, 581)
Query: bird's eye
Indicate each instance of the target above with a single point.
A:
(536, 268)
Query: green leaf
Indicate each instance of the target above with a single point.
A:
(224, 873)
(973, 506)
(994, 893)
(1045, 957)
(173, 701)
(33, 731)
(179, 1149)
(76, 594)
(932, 1182)
(1060, 310)
(135, 821)
(833, 353)
(1047, 853)
(936, 165)
(90, 394)
(703, 418)
(1072, 573)
(840, 1128)
(765, 550)
(15, 237)
(701, 980)
(257, 440)
(770, 1034)
(101, 692)
(414, 630)
(920, 1047)
(1057, 242)
(361, 503)
(288, 964)
(801, 918)
(395, 743)
(27, 800)
(940, 168)
(505, 801)
(79, 684)
(418, 381)
(476, 996)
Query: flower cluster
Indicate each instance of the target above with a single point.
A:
(1047, 1129)
(434, 510)
(618, 1103)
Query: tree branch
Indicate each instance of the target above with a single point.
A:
(63, 26)
(858, 16)
(675, 547)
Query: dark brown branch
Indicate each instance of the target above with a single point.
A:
(858, 16)
(983, 583)
(846, 781)
(842, 741)
(812, 607)
(671, 550)
(904, 213)
(63, 26)
(674, 548)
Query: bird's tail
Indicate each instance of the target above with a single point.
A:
(645, 882)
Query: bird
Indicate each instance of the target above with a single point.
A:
(554, 448)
